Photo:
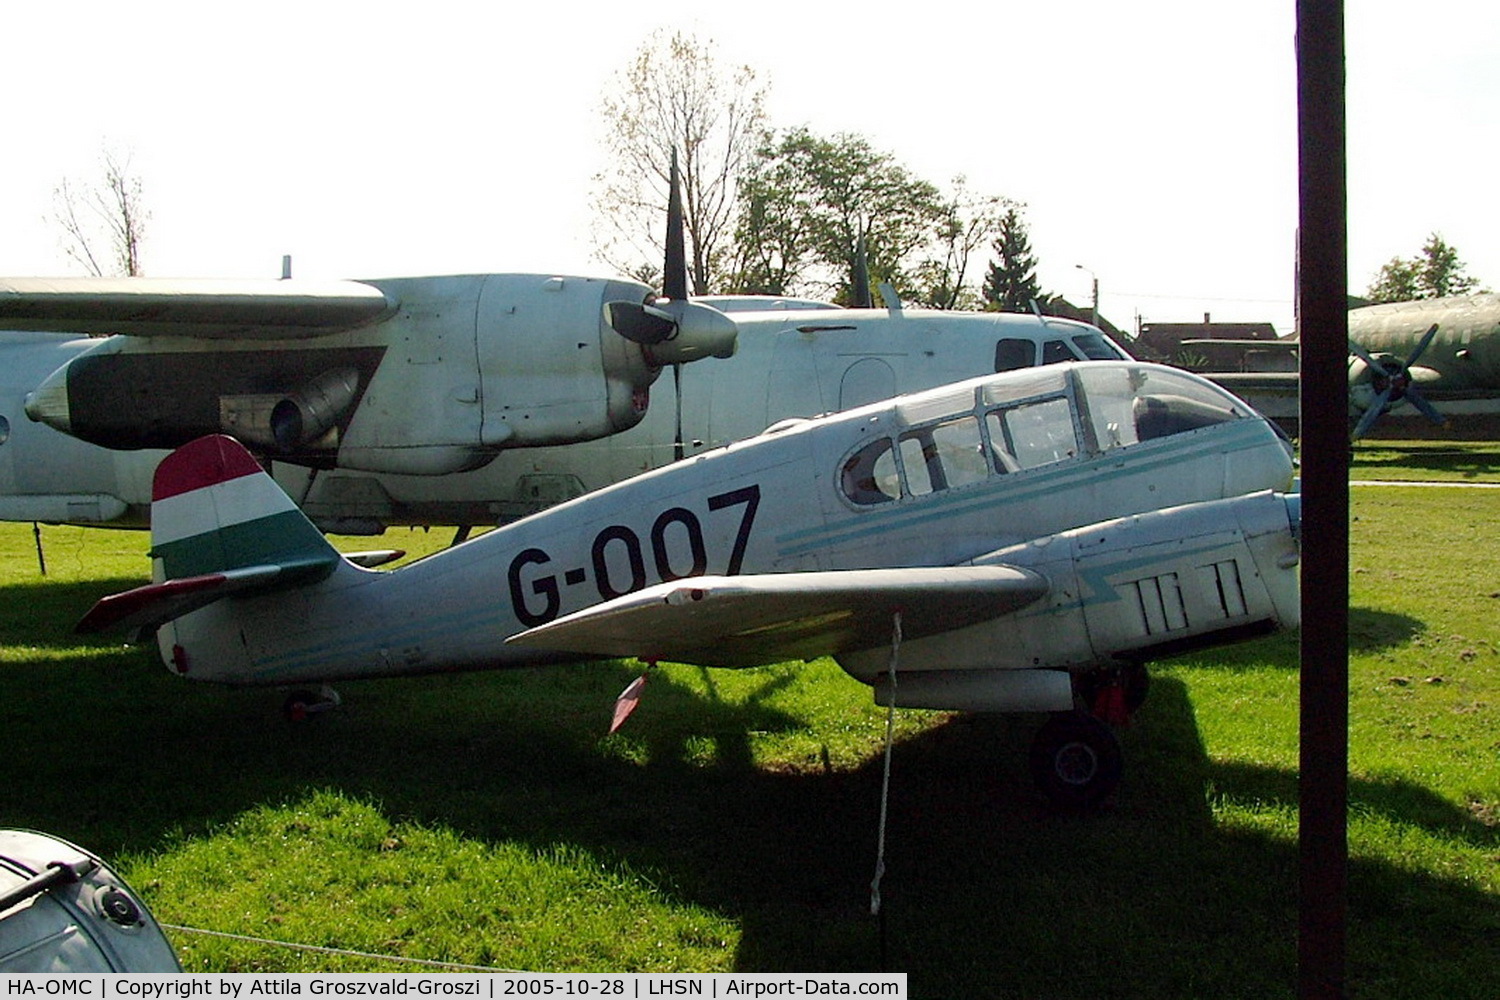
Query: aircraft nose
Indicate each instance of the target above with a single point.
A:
(48, 402)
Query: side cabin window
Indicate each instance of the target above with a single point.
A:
(1032, 433)
(943, 456)
(870, 475)
(1055, 352)
(1012, 353)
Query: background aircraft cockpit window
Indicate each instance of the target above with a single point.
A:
(1011, 354)
(870, 475)
(1035, 433)
(1055, 352)
(943, 456)
(1096, 348)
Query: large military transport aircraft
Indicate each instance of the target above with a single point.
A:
(1441, 356)
(1035, 536)
(417, 381)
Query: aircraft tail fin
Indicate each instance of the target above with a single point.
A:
(219, 525)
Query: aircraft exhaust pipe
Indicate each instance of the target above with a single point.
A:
(313, 410)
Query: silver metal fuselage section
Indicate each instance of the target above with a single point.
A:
(998, 469)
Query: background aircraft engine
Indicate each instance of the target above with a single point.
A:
(313, 410)
(674, 332)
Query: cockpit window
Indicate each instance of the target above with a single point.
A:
(1095, 348)
(1126, 404)
(1028, 420)
(1056, 352)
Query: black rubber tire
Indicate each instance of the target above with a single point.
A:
(1075, 760)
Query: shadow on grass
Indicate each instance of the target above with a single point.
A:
(1371, 630)
(42, 614)
(1479, 460)
(987, 892)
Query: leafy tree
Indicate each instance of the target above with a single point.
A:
(1010, 285)
(675, 93)
(1434, 273)
(968, 221)
(104, 222)
(811, 202)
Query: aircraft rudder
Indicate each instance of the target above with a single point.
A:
(214, 509)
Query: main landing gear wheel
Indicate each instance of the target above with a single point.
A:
(299, 705)
(1076, 760)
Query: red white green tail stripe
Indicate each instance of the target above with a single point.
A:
(214, 509)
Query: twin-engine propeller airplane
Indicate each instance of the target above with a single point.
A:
(1037, 536)
(422, 376)
(417, 380)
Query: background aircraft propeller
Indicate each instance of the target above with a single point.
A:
(1391, 381)
(671, 328)
(674, 329)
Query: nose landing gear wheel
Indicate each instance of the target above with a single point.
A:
(1075, 760)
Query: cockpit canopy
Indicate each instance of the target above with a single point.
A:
(948, 440)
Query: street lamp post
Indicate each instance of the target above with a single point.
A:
(1094, 313)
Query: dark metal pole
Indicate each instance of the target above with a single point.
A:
(1322, 245)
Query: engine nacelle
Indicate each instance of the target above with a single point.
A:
(1132, 589)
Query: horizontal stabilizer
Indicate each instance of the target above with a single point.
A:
(736, 621)
(156, 603)
(190, 307)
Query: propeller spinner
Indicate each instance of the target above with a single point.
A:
(675, 330)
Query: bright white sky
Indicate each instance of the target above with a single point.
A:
(1153, 141)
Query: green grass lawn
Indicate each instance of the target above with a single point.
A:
(485, 818)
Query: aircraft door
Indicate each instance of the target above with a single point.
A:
(794, 386)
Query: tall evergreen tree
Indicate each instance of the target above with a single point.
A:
(1010, 285)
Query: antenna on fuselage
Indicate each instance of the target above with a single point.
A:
(889, 296)
(286, 267)
(1037, 311)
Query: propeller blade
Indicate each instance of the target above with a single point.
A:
(641, 323)
(1372, 413)
(1422, 345)
(862, 297)
(627, 702)
(1363, 355)
(674, 270)
(1415, 398)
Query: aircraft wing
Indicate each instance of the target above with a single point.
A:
(1241, 383)
(737, 621)
(190, 307)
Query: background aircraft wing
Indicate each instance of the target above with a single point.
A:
(739, 621)
(190, 307)
(1241, 383)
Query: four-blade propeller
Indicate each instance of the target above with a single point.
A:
(1391, 381)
